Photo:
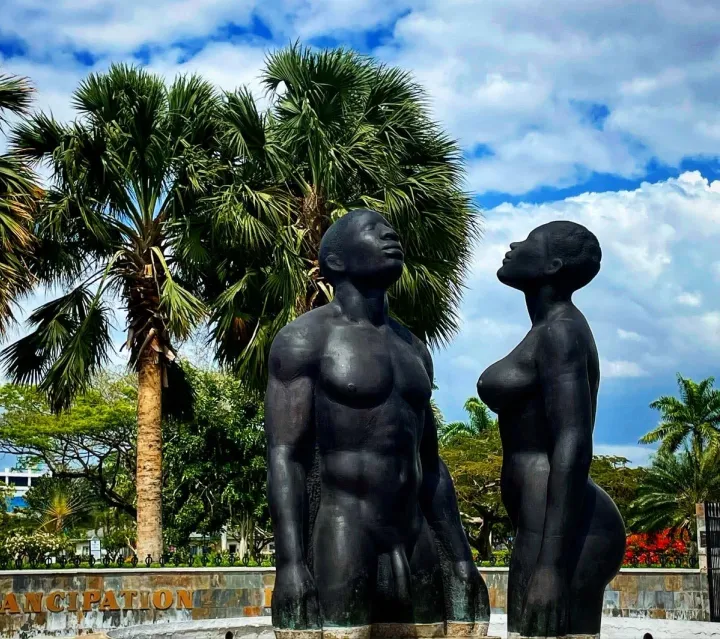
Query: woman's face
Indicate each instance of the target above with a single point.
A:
(526, 262)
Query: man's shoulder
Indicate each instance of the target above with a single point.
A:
(408, 336)
(301, 340)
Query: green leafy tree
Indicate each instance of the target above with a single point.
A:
(479, 421)
(62, 505)
(214, 468)
(18, 196)
(6, 493)
(475, 464)
(692, 418)
(472, 451)
(671, 488)
(342, 131)
(127, 177)
(92, 443)
(618, 480)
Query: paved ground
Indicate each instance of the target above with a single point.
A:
(259, 628)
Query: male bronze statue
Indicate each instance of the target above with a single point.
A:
(570, 538)
(384, 552)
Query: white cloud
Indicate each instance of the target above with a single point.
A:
(631, 336)
(117, 26)
(226, 65)
(689, 299)
(621, 368)
(522, 76)
(658, 241)
(525, 78)
(555, 89)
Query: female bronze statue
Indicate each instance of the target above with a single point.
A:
(570, 538)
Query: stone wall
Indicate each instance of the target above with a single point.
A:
(39, 603)
(66, 603)
(635, 592)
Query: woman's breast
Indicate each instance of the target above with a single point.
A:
(507, 384)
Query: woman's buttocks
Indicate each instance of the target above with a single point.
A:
(604, 518)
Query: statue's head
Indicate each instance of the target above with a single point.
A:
(362, 247)
(561, 254)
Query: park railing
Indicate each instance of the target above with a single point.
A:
(659, 559)
(183, 559)
(634, 558)
(119, 560)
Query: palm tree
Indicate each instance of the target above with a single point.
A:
(65, 506)
(18, 194)
(479, 421)
(694, 417)
(671, 488)
(342, 131)
(116, 228)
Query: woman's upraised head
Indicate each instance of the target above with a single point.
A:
(562, 253)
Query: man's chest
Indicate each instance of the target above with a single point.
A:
(364, 366)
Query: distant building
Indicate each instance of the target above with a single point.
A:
(21, 482)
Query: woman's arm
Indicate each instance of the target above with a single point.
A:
(562, 365)
(562, 369)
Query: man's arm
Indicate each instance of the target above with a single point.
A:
(438, 500)
(466, 593)
(291, 442)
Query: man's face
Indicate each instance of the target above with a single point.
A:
(372, 251)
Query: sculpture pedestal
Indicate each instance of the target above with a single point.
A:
(515, 635)
(451, 630)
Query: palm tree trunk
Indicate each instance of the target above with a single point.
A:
(149, 457)
(314, 218)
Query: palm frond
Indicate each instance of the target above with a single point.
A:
(15, 95)
(694, 416)
(68, 346)
(183, 311)
(672, 487)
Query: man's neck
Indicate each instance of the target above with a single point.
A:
(369, 305)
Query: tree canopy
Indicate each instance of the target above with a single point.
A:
(672, 486)
(214, 468)
(341, 131)
(18, 197)
(475, 464)
(692, 418)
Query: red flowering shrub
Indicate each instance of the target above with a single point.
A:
(659, 548)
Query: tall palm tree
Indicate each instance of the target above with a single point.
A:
(116, 228)
(693, 418)
(342, 131)
(671, 488)
(480, 420)
(18, 194)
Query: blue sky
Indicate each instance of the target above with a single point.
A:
(604, 113)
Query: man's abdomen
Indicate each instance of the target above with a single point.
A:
(380, 490)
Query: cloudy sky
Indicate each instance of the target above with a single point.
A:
(601, 112)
